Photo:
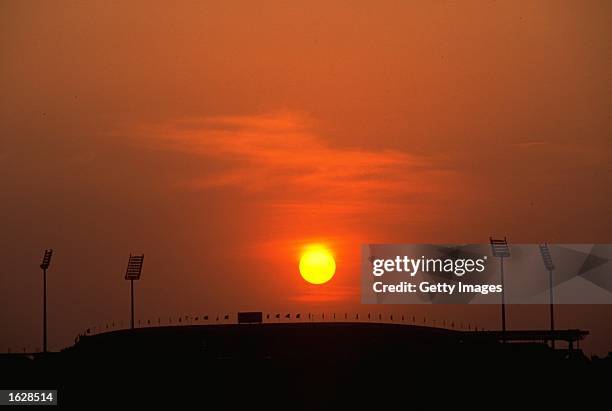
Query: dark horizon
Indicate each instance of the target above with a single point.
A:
(309, 364)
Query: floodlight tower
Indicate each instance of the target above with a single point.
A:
(133, 271)
(44, 265)
(548, 264)
(501, 250)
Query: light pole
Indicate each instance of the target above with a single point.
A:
(46, 261)
(548, 264)
(133, 271)
(501, 250)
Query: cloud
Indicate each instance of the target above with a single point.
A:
(530, 144)
(279, 157)
(327, 295)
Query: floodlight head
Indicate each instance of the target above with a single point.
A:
(546, 257)
(134, 267)
(46, 261)
(500, 248)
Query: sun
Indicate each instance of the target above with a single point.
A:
(317, 265)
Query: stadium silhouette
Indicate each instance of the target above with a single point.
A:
(306, 364)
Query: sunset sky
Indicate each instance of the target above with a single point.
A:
(219, 138)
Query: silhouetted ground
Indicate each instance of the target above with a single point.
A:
(306, 366)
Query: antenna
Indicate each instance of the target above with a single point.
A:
(550, 266)
(133, 271)
(44, 265)
(501, 250)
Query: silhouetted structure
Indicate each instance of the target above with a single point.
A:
(501, 250)
(309, 364)
(548, 264)
(44, 265)
(133, 271)
(569, 336)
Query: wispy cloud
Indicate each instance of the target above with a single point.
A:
(531, 144)
(281, 155)
(329, 295)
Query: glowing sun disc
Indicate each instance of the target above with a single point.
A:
(317, 265)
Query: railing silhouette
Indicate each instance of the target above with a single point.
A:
(283, 317)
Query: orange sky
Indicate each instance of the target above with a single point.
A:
(220, 137)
